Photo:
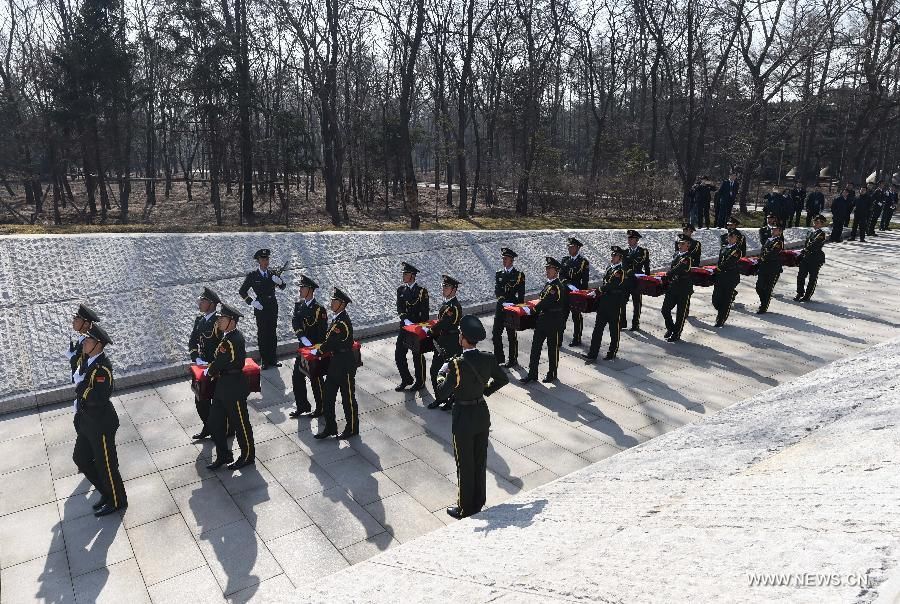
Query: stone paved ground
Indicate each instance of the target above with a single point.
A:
(309, 509)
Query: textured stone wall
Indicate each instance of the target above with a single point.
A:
(145, 286)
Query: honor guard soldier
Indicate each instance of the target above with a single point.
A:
(509, 287)
(769, 268)
(265, 307)
(446, 337)
(202, 346)
(811, 260)
(694, 247)
(96, 422)
(412, 307)
(732, 227)
(229, 406)
(82, 321)
(765, 231)
(575, 274)
(341, 376)
(549, 322)
(309, 321)
(727, 277)
(681, 287)
(610, 298)
(467, 379)
(636, 261)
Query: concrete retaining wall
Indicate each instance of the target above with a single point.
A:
(145, 286)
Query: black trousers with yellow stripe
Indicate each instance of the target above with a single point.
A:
(298, 379)
(553, 337)
(95, 453)
(226, 415)
(471, 428)
(400, 350)
(609, 313)
(681, 302)
(724, 292)
(765, 287)
(341, 378)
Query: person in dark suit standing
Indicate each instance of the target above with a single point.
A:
(265, 307)
(840, 215)
(798, 196)
(890, 204)
(815, 205)
(468, 378)
(861, 210)
(728, 192)
(877, 208)
(701, 195)
(412, 307)
(811, 260)
(309, 323)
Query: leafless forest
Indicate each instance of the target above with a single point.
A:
(284, 111)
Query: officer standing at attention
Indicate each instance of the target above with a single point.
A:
(815, 203)
(575, 274)
(96, 422)
(636, 260)
(82, 321)
(861, 211)
(769, 268)
(550, 311)
(509, 287)
(610, 299)
(265, 307)
(727, 277)
(446, 336)
(694, 247)
(202, 346)
(341, 374)
(309, 322)
(229, 406)
(732, 227)
(811, 260)
(877, 208)
(798, 196)
(681, 287)
(412, 307)
(890, 204)
(468, 378)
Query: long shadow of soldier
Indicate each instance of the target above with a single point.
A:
(506, 515)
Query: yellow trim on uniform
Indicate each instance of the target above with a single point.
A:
(112, 486)
(350, 389)
(458, 483)
(237, 404)
(456, 367)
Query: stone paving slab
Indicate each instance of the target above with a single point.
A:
(310, 508)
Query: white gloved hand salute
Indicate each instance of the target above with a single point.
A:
(257, 305)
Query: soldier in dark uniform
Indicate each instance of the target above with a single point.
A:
(862, 208)
(694, 247)
(877, 208)
(229, 406)
(202, 347)
(610, 299)
(548, 323)
(309, 323)
(265, 308)
(96, 422)
(341, 376)
(798, 196)
(840, 214)
(732, 227)
(412, 307)
(890, 204)
(636, 261)
(811, 260)
(575, 274)
(509, 288)
(468, 378)
(766, 231)
(681, 287)
(82, 321)
(815, 203)
(769, 268)
(727, 277)
(446, 336)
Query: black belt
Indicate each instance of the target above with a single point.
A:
(476, 401)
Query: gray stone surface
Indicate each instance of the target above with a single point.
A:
(157, 277)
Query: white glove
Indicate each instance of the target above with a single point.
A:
(640, 274)
(527, 310)
(426, 329)
(257, 305)
(77, 377)
(70, 354)
(75, 405)
(593, 293)
(407, 322)
(572, 288)
(315, 351)
(206, 371)
(278, 280)
(305, 341)
(201, 362)
(508, 304)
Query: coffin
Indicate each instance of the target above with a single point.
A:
(204, 387)
(703, 276)
(652, 285)
(516, 317)
(416, 338)
(582, 302)
(316, 365)
(790, 257)
(748, 266)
